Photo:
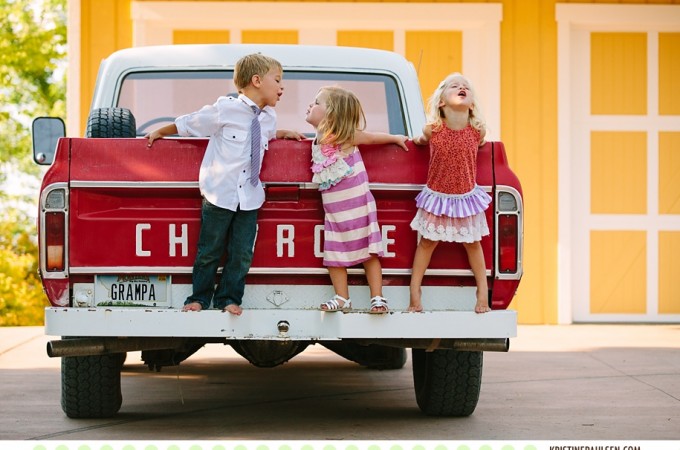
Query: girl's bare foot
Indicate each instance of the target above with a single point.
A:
(483, 308)
(233, 308)
(482, 305)
(194, 306)
(415, 304)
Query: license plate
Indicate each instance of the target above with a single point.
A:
(131, 290)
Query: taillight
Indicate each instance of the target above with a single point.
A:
(507, 243)
(509, 234)
(55, 241)
(54, 232)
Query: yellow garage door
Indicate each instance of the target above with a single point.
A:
(620, 159)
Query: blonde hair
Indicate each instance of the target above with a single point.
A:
(435, 113)
(250, 65)
(344, 116)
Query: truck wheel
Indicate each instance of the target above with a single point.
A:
(447, 382)
(378, 357)
(90, 386)
(111, 123)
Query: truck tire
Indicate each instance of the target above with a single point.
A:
(90, 386)
(377, 357)
(111, 123)
(447, 382)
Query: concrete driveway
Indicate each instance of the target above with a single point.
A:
(578, 382)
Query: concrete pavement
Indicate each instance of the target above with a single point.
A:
(577, 382)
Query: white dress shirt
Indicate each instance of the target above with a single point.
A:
(224, 178)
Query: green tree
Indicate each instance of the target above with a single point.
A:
(32, 84)
(22, 300)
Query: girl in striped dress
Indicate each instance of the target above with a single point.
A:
(451, 207)
(351, 232)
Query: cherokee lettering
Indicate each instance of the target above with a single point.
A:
(285, 236)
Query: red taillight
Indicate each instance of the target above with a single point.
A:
(507, 243)
(55, 235)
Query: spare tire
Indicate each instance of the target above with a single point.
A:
(111, 123)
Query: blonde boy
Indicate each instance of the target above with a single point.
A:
(229, 178)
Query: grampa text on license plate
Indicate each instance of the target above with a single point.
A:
(148, 290)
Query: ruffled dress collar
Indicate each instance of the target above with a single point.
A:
(328, 165)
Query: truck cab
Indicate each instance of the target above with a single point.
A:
(119, 222)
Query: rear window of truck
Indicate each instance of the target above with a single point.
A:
(156, 98)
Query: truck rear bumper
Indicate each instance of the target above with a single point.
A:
(270, 324)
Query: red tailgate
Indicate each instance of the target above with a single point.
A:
(136, 207)
(129, 202)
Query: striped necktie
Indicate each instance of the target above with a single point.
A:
(255, 144)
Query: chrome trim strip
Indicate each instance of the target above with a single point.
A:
(135, 184)
(260, 271)
(194, 185)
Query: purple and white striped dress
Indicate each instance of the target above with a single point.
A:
(351, 231)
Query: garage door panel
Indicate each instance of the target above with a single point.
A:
(618, 274)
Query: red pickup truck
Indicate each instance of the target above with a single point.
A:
(119, 222)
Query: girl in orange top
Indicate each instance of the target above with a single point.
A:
(451, 207)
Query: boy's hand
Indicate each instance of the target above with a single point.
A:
(160, 133)
(289, 134)
(152, 137)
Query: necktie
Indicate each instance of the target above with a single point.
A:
(255, 144)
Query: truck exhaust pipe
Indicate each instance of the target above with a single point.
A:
(105, 345)
(462, 345)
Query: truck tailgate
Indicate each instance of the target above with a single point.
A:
(137, 210)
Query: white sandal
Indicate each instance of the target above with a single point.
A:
(334, 305)
(379, 302)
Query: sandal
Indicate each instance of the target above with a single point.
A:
(377, 303)
(334, 305)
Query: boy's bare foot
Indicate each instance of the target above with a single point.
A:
(415, 308)
(195, 306)
(233, 308)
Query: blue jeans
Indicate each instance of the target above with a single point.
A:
(223, 230)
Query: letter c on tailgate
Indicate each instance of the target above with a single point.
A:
(138, 239)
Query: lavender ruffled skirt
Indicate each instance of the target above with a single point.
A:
(452, 217)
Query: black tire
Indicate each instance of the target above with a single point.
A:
(111, 123)
(377, 357)
(90, 386)
(447, 382)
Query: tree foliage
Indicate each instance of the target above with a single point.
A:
(32, 73)
(32, 84)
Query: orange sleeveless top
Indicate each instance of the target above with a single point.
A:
(453, 160)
